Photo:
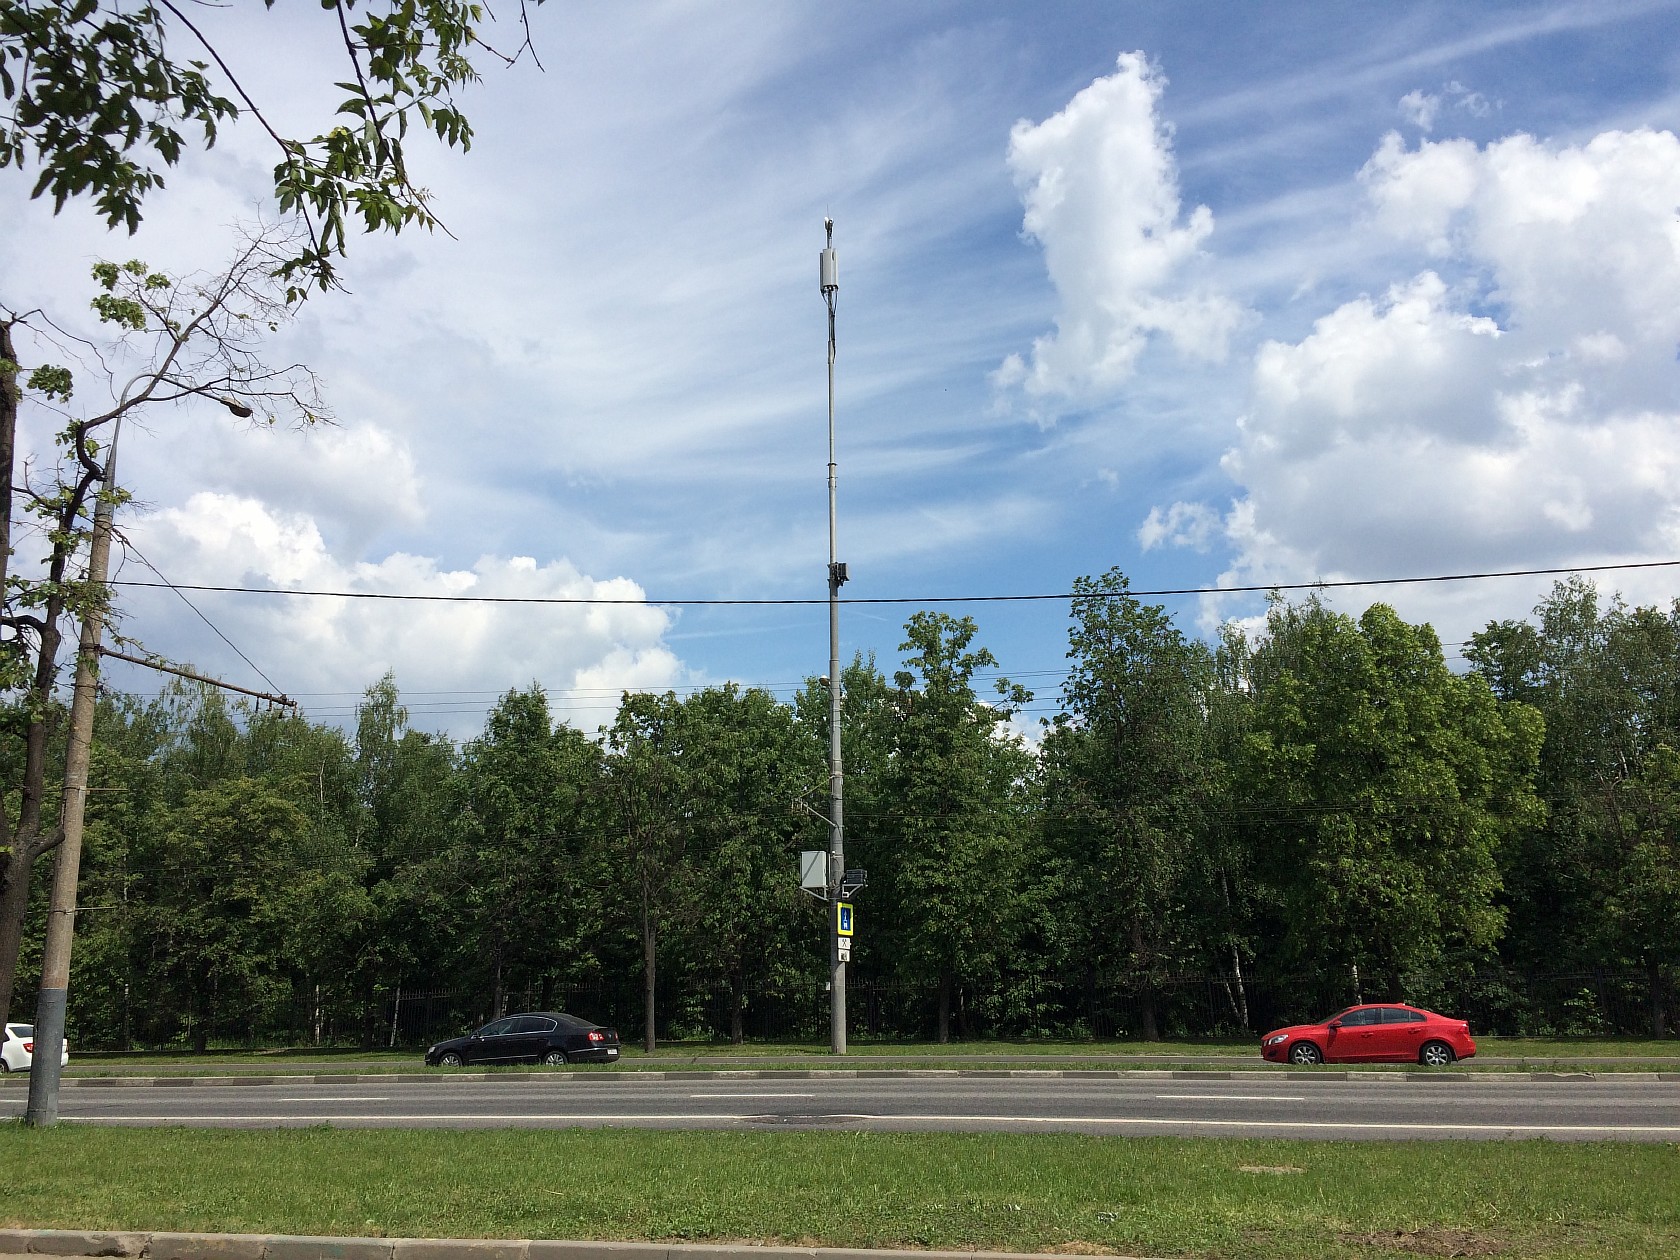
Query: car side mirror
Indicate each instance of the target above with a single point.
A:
(1335, 1023)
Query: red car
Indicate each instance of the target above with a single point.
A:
(1373, 1034)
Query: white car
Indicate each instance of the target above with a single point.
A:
(17, 1051)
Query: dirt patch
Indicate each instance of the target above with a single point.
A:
(1078, 1247)
(1274, 1169)
(1433, 1240)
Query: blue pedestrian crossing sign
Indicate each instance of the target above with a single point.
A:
(843, 918)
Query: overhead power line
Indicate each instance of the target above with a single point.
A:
(909, 599)
(163, 581)
(180, 671)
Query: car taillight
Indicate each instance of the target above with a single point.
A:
(597, 1036)
(29, 1047)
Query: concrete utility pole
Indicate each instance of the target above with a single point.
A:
(829, 268)
(45, 1071)
(53, 1000)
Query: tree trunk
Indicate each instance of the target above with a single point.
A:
(14, 900)
(944, 1008)
(202, 1001)
(10, 397)
(1653, 973)
(737, 1011)
(26, 841)
(1242, 990)
(1146, 997)
(650, 1036)
(1146, 1013)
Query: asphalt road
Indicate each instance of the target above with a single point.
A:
(724, 1062)
(1294, 1105)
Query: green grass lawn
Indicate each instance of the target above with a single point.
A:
(1154, 1196)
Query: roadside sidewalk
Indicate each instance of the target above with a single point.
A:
(22, 1244)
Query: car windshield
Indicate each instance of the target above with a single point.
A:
(1337, 1015)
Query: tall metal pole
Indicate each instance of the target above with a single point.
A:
(46, 1069)
(829, 269)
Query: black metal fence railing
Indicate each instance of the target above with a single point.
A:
(1177, 1007)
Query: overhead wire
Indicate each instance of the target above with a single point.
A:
(131, 549)
(594, 600)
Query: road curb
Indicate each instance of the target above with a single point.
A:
(129, 1245)
(20, 1080)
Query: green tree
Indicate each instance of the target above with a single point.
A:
(220, 907)
(648, 838)
(1129, 775)
(529, 787)
(1591, 886)
(1382, 788)
(868, 735)
(958, 787)
(410, 826)
(742, 760)
(198, 334)
(100, 98)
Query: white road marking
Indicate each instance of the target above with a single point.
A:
(1236, 1097)
(752, 1095)
(1116, 1121)
(338, 1098)
(390, 1119)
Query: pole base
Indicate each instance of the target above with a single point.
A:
(47, 1067)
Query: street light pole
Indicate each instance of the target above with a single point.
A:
(50, 1005)
(830, 278)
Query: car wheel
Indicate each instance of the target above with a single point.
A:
(554, 1058)
(1436, 1054)
(449, 1059)
(5, 1068)
(1306, 1054)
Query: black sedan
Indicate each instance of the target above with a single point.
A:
(538, 1037)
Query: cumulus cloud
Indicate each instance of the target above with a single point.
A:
(359, 476)
(1513, 405)
(1100, 187)
(325, 646)
(1192, 525)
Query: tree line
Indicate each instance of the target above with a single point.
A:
(1325, 799)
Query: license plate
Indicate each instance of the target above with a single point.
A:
(612, 1054)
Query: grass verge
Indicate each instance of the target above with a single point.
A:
(1589, 1054)
(1064, 1193)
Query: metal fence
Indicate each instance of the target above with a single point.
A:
(1179, 1007)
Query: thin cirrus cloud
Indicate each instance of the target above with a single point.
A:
(1194, 316)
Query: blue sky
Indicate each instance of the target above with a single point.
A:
(1217, 294)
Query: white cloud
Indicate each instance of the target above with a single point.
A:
(1100, 186)
(1420, 109)
(361, 477)
(1415, 432)
(1182, 525)
(324, 646)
